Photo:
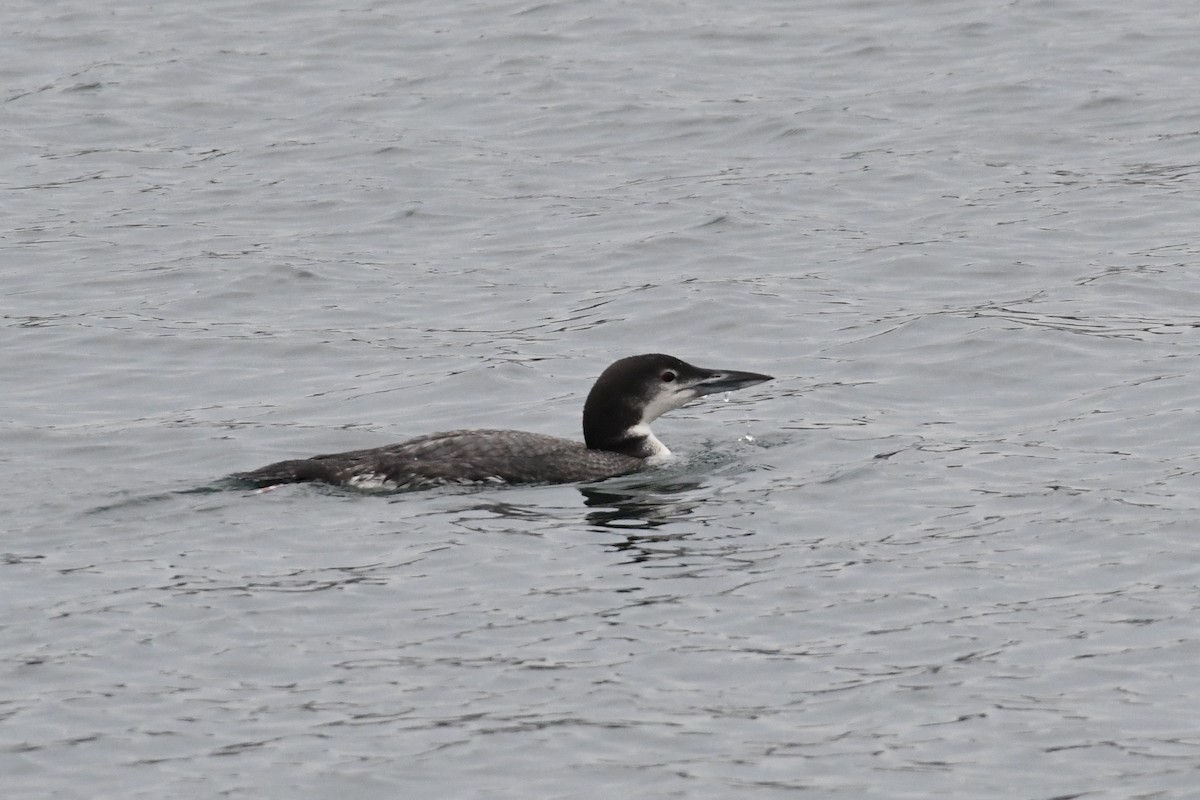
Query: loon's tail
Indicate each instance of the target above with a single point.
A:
(301, 470)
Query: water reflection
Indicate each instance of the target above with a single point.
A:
(642, 506)
(641, 511)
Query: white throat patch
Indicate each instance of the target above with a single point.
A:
(664, 402)
(656, 448)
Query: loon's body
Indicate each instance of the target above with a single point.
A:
(625, 399)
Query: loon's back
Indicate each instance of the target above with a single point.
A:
(467, 456)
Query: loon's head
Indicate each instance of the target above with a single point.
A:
(637, 390)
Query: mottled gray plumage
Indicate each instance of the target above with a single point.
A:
(468, 456)
(625, 399)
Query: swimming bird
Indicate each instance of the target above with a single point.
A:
(629, 395)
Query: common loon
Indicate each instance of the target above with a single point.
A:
(625, 399)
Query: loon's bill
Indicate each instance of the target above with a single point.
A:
(625, 399)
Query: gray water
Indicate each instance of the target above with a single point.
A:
(951, 551)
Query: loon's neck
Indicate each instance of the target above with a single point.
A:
(620, 430)
(639, 442)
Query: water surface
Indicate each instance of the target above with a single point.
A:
(949, 551)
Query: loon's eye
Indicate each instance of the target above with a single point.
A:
(668, 376)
